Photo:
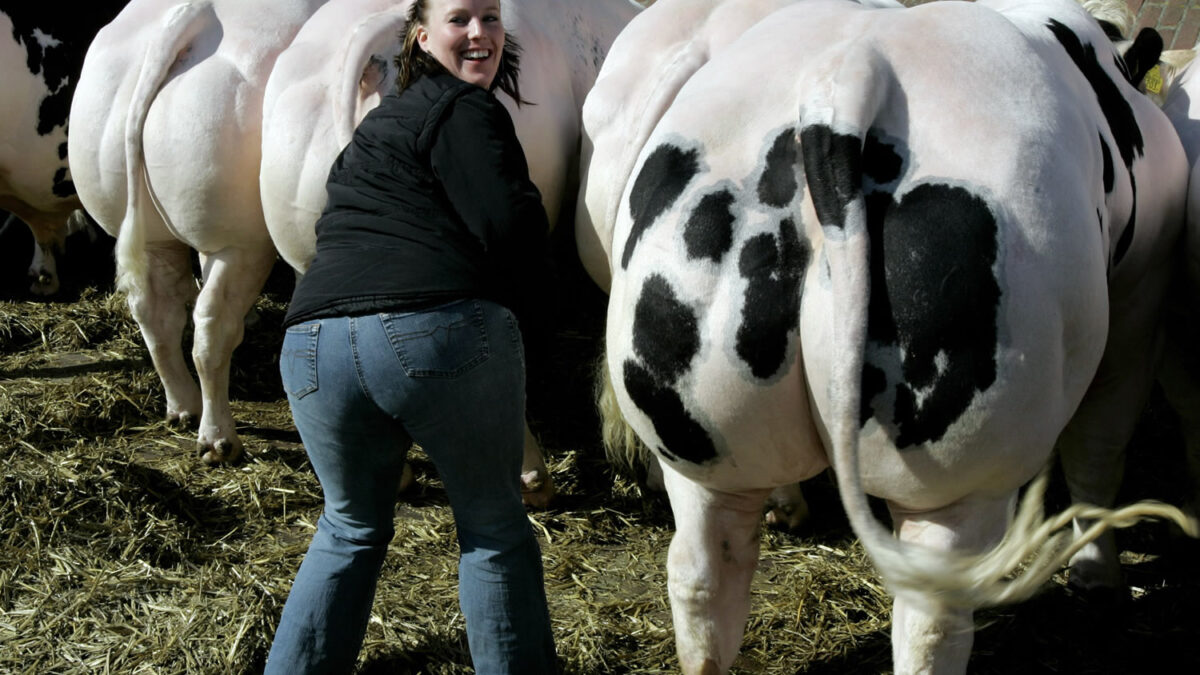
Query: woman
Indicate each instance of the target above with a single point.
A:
(403, 330)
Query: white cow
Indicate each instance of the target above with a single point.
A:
(890, 240)
(41, 49)
(164, 148)
(340, 64)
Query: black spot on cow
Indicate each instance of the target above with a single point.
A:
(1117, 113)
(935, 296)
(1126, 237)
(58, 65)
(1108, 166)
(666, 334)
(62, 186)
(709, 229)
(666, 337)
(833, 171)
(682, 436)
(777, 185)
(62, 150)
(774, 268)
(874, 382)
(881, 163)
(664, 175)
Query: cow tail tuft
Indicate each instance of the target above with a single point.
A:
(621, 444)
(180, 25)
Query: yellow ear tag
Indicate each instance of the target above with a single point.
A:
(1153, 81)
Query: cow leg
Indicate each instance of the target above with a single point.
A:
(43, 269)
(1180, 380)
(160, 308)
(1092, 451)
(233, 279)
(710, 563)
(928, 637)
(49, 240)
(537, 486)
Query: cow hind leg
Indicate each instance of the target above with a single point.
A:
(233, 279)
(927, 636)
(710, 564)
(537, 486)
(159, 305)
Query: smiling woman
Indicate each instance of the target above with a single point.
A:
(466, 37)
(405, 329)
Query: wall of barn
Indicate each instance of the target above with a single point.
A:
(1178, 21)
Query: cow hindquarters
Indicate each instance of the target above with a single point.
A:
(710, 564)
(233, 279)
(927, 636)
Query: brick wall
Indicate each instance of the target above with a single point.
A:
(1178, 21)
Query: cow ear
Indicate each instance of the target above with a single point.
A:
(1143, 55)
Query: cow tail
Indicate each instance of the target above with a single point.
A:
(834, 119)
(370, 35)
(179, 26)
(621, 444)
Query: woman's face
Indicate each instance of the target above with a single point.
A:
(466, 37)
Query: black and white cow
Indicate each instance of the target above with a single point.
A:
(909, 243)
(41, 52)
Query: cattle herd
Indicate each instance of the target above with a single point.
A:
(937, 249)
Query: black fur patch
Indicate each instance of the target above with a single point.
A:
(666, 334)
(682, 436)
(74, 28)
(666, 337)
(709, 230)
(833, 171)
(1117, 112)
(1109, 179)
(934, 294)
(881, 162)
(777, 185)
(774, 267)
(62, 186)
(664, 175)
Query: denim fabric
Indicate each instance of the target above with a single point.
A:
(452, 379)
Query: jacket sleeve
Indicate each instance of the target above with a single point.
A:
(481, 166)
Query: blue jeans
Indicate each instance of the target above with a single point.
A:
(361, 389)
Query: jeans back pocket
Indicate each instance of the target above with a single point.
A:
(446, 341)
(298, 359)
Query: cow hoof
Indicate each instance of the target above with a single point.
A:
(786, 518)
(182, 421)
(44, 284)
(223, 451)
(537, 488)
(407, 479)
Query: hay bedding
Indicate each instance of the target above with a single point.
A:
(121, 553)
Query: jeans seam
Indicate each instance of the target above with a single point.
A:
(358, 369)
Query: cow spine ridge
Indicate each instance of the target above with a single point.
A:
(367, 35)
(834, 121)
(181, 24)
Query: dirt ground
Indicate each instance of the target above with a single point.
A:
(121, 553)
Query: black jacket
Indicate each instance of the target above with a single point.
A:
(430, 202)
